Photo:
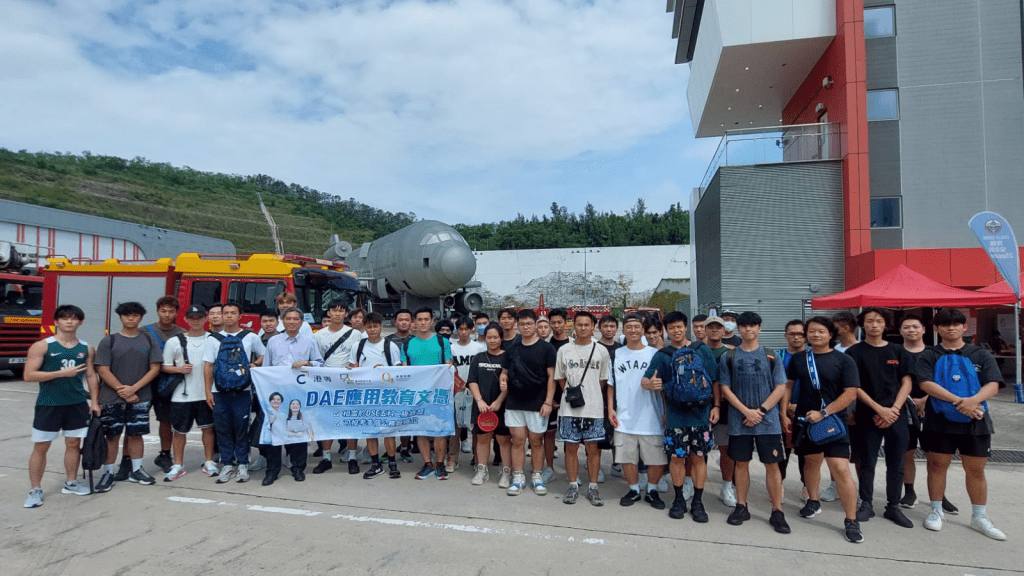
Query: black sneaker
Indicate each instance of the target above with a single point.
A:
(318, 453)
(865, 512)
(323, 466)
(140, 476)
(778, 521)
(105, 484)
(441, 472)
(415, 448)
(739, 515)
(909, 500)
(853, 533)
(948, 507)
(811, 509)
(894, 513)
(405, 454)
(426, 472)
(376, 469)
(163, 461)
(393, 471)
(631, 497)
(124, 470)
(697, 511)
(678, 509)
(654, 500)
(353, 466)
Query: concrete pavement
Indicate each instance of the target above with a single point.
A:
(334, 523)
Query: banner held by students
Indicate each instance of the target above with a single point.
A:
(333, 403)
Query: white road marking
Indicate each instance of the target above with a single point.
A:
(396, 522)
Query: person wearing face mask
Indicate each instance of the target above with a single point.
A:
(729, 321)
(481, 320)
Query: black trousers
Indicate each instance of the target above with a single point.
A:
(297, 453)
(868, 439)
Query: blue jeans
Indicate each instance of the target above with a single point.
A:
(231, 421)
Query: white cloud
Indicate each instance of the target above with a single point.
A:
(374, 100)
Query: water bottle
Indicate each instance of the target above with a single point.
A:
(1018, 391)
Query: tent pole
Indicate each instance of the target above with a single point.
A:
(1017, 387)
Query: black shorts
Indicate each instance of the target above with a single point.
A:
(552, 419)
(966, 444)
(913, 435)
(73, 419)
(769, 448)
(183, 414)
(132, 419)
(501, 430)
(836, 449)
(162, 408)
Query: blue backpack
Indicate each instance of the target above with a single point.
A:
(690, 386)
(231, 369)
(957, 375)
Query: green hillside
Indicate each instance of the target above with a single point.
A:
(218, 205)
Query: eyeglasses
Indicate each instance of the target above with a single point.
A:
(801, 334)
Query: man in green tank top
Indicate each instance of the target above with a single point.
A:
(58, 363)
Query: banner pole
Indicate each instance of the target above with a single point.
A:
(1018, 387)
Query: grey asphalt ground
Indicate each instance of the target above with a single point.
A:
(337, 523)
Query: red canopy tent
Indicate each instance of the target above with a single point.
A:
(1002, 287)
(902, 287)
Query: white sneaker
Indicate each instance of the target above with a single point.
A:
(600, 476)
(935, 520)
(688, 489)
(210, 468)
(467, 446)
(258, 464)
(227, 474)
(538, 484)
(482, 475)
(985, 526)
(548, 474)
(342, 456)
(643, 482)
(617, 470)
(243, 473)
(517, 485)
(829, 494)
(505, 480)
(663, 483)
(78, 489)
(176, 471)
(728, 495)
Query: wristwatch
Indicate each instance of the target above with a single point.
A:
(824, 413)
(762, 410)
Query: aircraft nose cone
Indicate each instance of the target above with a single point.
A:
(458, 264)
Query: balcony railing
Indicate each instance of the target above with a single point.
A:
(775, 145)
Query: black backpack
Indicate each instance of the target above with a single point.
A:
(387, 351)
(94, 449)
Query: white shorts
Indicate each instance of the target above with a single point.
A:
(44, 436)
(532, 421)
(629, 448)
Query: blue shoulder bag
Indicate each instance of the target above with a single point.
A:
(831, 427)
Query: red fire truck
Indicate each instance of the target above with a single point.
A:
(253, 281)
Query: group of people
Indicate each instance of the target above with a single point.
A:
(659, 400)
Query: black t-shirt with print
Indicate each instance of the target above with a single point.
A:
(836, 372)
(881, 370)
(485, 369)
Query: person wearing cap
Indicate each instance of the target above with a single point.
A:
(715, 330)
(729, 321)
(543, 328)
(188, 403)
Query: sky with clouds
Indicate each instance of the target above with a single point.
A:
(463, 110)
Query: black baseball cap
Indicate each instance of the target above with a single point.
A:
(195, 310)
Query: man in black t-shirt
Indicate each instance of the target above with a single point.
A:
(530, 382)
(942, 437)
(884, 371)
(835, 389)
(558, 320)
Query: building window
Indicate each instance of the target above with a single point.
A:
(885, 213)
(883, 105)
(879, 22)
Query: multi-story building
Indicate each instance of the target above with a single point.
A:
(856, 135)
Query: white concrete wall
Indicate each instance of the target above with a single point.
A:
(507, 272)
